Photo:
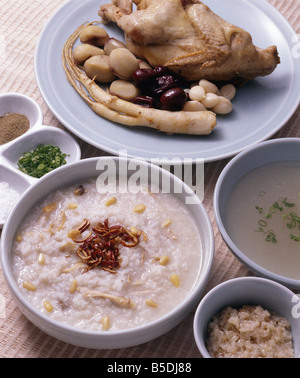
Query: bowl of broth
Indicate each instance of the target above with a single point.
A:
(257, 209)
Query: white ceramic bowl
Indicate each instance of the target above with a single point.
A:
(37, 134)
(78, 172)
(22, 104)
(247, 291)
(285, 149)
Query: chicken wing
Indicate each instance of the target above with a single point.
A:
(190, 39)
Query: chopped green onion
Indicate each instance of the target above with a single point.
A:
(295, 238)
(292, 219)
(259, 209)
(271, 237)
(262, 223)
(43, 159)
(287, 204)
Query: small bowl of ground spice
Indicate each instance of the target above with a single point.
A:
(18, 114)
(248, 317)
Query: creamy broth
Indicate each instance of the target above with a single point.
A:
(263, 217)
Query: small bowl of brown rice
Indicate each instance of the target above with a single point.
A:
(107, 252)
(248, 317)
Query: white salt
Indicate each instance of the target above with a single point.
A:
(8, 197)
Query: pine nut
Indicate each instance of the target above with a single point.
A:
(48, 306)
(105, 323)
(41, 259)
(67, 247)
(150, 302)
(164, 260)
(139, 208)
(72, 234)
(73, 286)
(111, 201)
(50, 207)
(167, 222)
(29, 286)
(175, 279)
(134, 230)
(19, 238)
(72, 206)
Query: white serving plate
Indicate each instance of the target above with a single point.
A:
(38, 133)
(261, 107)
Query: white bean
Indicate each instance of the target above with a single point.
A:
(143, 64)
(97, 68)
(193, 106)
(85, 51)
(95, 35)
(210, 100)
(228, 91)
(197, 93)
(223, 107)
(208, 86)
(123, 63)
(123, 89)
(111, 44)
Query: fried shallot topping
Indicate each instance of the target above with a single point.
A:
(101, 246)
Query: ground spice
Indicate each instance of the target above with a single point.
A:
(12, 125)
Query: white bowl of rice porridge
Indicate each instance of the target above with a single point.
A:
(248, 317)
(107, 252)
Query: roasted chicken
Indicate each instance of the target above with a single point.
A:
(190, 39)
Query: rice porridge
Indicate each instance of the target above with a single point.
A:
(151, 266)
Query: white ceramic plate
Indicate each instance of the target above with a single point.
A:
(261, 108)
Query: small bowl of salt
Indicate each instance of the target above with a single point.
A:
(12, 187)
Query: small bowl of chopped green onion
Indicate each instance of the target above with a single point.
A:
(42, 160)
(42, 150)
(257, 209)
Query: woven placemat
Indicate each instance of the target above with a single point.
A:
(20, 26)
